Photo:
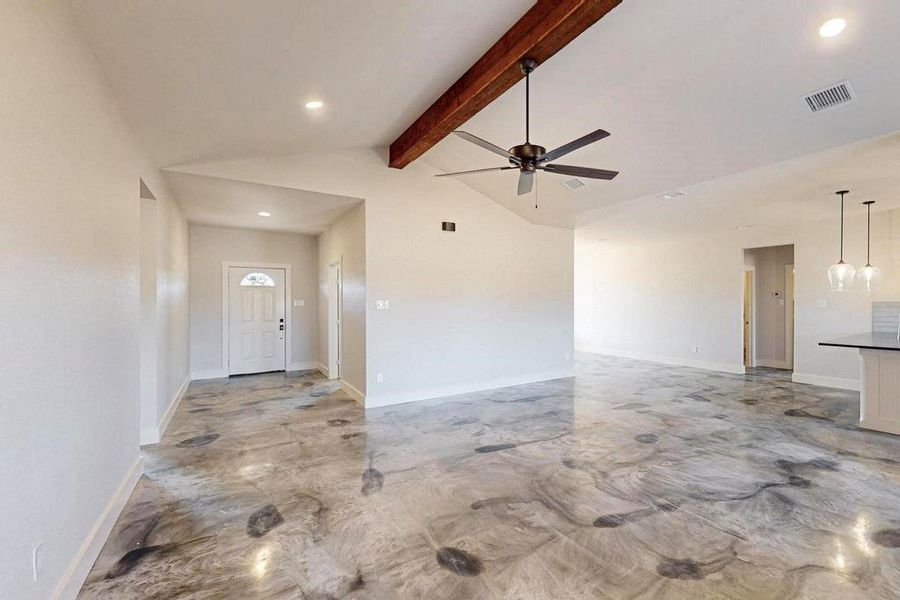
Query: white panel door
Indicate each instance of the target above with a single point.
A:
(256, 320)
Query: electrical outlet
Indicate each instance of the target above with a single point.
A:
(299, 302)
(695, 349)
(379, 377)
(37, 561)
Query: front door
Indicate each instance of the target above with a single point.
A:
(256, 320)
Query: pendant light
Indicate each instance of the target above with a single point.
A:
(840, 274)
(868, 274)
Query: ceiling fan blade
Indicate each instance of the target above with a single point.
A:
(475, 171)
(526, 182)
(580, 171)
(590, 138)
(485, 144)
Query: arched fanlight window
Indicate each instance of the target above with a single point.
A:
(257, 280)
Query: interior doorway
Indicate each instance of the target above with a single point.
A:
(257, 321)
(768, 307)
(335, 319)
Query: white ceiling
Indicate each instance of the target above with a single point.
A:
(691, 90)
(215, 79)
(229, 203)
(800, 189)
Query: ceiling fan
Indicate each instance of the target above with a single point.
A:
(529, 158)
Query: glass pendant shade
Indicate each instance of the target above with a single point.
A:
(868, 275)
(841, 276)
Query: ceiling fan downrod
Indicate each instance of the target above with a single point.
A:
(527, 65)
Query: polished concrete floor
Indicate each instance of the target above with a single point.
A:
(631, 480)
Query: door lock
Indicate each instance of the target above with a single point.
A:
(281, 327)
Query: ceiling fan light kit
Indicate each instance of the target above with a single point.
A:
(529, 158)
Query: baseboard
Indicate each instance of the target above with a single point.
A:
(305, 365)
(173, 406)
(823, 381)
(322, 369)
(391, 398)
(354, 393)
(71, 582)
(735, 368)
(772, 364)
(209, 374)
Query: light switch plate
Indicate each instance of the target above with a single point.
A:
(822, 303)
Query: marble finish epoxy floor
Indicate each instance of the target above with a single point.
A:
(631, 480)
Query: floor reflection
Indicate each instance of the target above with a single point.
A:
(631, 479)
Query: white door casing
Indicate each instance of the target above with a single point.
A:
(257, 323)
(789, 316)
(335, 307)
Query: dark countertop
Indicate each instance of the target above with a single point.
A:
(869, 341)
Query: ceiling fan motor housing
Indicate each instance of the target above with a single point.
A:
(527, 155)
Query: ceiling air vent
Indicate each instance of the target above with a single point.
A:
(573, 184)
(834, 95)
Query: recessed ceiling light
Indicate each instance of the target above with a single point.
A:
(314, 104)
(263, 213)
(672, 195)
(832, 27)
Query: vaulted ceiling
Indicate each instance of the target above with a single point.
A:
(691, 90)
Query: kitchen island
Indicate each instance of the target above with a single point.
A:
(879, 379)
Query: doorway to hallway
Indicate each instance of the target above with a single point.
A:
(768, 307)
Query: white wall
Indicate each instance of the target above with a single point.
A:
(173, 308)
(769, 322)
(657, 298)
(69, 343)
(165, 330)
(209, 247)
(489, 305)
(345, 242)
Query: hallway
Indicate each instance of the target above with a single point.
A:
(631, 478)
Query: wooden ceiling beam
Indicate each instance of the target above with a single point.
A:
(541, 32)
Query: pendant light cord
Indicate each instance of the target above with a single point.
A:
(868, 234)
(869, 204)
(842, 227)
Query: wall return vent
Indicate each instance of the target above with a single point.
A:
(838, 94)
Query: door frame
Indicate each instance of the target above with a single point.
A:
(335, 315)
(751, 342)
(789, 309)
(226, 265)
